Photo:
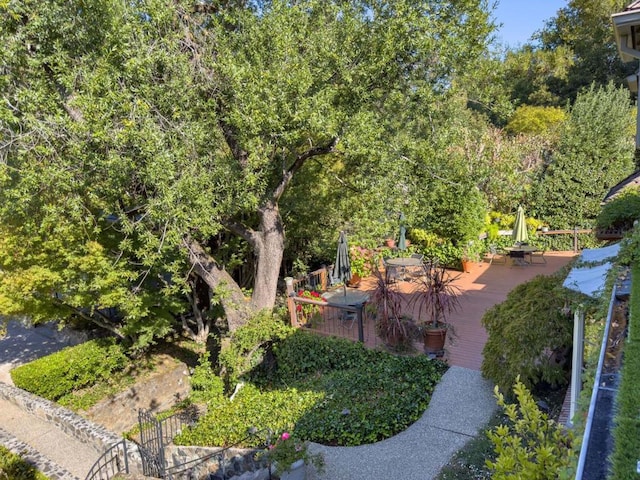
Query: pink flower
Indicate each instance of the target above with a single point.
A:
(285, 436)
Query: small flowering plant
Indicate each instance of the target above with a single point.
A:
(361, 261)
(287, 450)
(308, 313)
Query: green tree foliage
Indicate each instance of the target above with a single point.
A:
(584, 28)
(515, 349)
(594, 152)
(530, 446)
(535, 120)
(536, 76)
(166, 136)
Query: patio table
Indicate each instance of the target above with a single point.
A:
(519, 252)
(352, 299)
(403, 263)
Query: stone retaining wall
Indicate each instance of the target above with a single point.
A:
(72, 424)
(222, 464)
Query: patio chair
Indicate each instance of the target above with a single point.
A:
(415, 272)
(539, 255)
(496, 255)
(392, 273)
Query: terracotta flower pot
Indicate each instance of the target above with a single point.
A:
(354, 281)
(434, 339)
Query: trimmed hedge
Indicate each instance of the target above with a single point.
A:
(71, 369)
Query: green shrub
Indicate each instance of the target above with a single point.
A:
(13, 467)
(530, 446)
(303, 354)
(70, 369)
(434, 247)
(529, 334)
(206, 386)
(621, 211)
(250, 344)
(326, 390)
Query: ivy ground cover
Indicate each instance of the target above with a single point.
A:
(326, 390)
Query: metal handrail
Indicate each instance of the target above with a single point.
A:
(182, 467)
(109, 465)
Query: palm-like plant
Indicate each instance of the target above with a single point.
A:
(437, 297)
(392, 325)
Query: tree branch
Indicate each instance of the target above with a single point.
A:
(297, 164)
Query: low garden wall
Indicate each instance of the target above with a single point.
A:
(215, 463)
(74, 425)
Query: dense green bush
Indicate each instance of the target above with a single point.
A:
(70, 369)
(530, 334)
(530, 445)
(13, 467)
(326, 390)
(301, 354)
(206, 386)
(228, 422)
(371, 401)
(434, 247)
(621, 211)
(250, 344)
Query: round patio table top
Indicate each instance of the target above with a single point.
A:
(404, 262)
(338, 297)
(521, 248)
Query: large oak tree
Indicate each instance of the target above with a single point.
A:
(145, 146)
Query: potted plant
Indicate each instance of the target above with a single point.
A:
(396, 329)
(290, 456)
(434, 300)
(361, 261)
(471, 254)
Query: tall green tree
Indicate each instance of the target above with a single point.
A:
(164, 131)
(584, 29)
(594, 152)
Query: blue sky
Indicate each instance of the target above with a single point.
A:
(521, 18)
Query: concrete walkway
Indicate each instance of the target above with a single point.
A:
(461, 406)
(52, 451)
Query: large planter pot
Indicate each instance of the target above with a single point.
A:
(354, 281)
(467, 266)
(434, 339)
(298, 471)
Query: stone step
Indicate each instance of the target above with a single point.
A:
(48, 467)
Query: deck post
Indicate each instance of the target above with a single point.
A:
(291, 306)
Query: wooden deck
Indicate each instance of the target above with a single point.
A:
(480, 289)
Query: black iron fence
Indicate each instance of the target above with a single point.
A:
(111, 463)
